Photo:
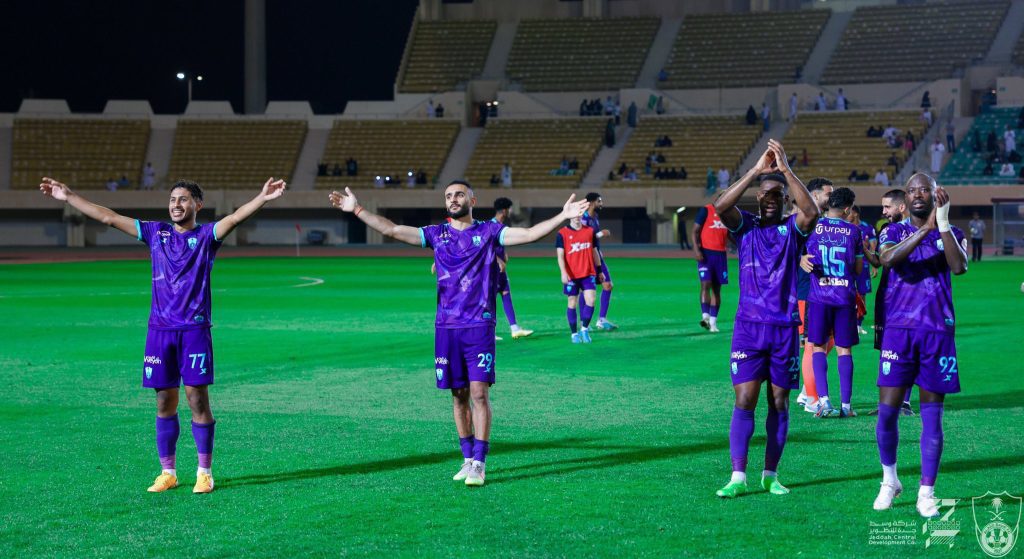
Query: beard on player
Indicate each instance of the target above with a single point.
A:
(461, 210)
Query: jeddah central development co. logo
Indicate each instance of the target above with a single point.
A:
(996, 537)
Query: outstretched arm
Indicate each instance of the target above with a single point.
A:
(807, 210)
(522, 235)
(60, 191)
(725, 207)
(272, 189)
(347, 203)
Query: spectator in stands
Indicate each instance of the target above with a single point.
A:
(321, 169)
(977, 229)
(123, 183)
(439, 110)
(882, 178)
(112, 184)
(751, 115)
(662, 75)
(950, 136)
(1010, 139)
(574, 164)
(351, 167)
(631, 114)
(852, 177)
(630, 175)
(336, 171)
(659, 107)
(617, 112)
(794, 103)
(584, 109)
(421, 177)
(410, 178)
(909, 142)
(895, 162)
(988, 171)
(937, 150)
(659, 174)
(682, 172)
(926, 117)
(494, 180)
(840, 101)
(990, 141)
(609, 133)
(648, 162)
(889, 134)
(609, 106)
(766, 116)
(712, 183)
(506, 175)
(820, 104)
(873, 132)
(430, 108)
(660, 158)
(926, 100)
(722, 178)
(622, 169)
(975, 141)
(1007, 170)
(563, 165)
(149, 176)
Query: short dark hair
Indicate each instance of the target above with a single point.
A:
(855, 209)
(841, 197)
(463, 182)
(592, 196)
(502, 204)
(896, 195)
(192, 187)
(777, 177)
(817, 183)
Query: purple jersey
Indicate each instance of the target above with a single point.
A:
(769, 257)
(835, 245)
(590, 220)
(868, 233)
(500, 252)
(182, 263)
(467, 271)
(919, 292)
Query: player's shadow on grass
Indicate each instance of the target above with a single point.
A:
(1010, 399)
(963, 465)
(399, 463)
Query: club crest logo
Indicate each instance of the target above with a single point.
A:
(782, 229)
(193, 242)
(149, 372)
(735, 368)
(996, 522)
(477, 241)
(886, 367)
(439, 372)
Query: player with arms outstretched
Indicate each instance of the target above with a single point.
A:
(765, 340)
(179, 347)
(466, 261)
(579, 258)
(918, 344)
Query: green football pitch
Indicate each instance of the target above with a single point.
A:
(332, 439)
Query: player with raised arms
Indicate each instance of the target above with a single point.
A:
(465, 256)
(918, 344)
(835, 259)
(765, 340)
(179, 346)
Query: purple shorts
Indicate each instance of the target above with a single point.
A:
(824, 320)
(502, 282)
(714, 268)
(864, 284)
(765, 352)
(463, 355)
(927, 359)
(577, 286)
(175, 357)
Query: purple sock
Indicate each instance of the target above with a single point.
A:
(586, 313)
(203, 435)
(510, 313)
(931, 441)
(887, 433)
(819, 362)
(570, 314)
(740, 431)
(776, 426)
(606, 298)
(167, 431)
(906, 397)
(714, 311)
(705, 308)
(480, 449)
(467, 446)
(845, 378)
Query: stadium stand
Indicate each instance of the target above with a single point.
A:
(968, 162)
(84, 153)
(742, 50)
(1018, 51)
(837, 143)
(387, 147)
(444, 53)
(534, 149)
(697, 143)
(235, 154)
(914, 43)
(580, 54)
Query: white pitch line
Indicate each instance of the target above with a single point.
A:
(311, 282)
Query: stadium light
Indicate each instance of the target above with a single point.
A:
(182, 76)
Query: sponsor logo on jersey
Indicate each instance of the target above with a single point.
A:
(717, 224)
(152, 360)
(440, 360)
(578, 247)
(833, 282)
(739, 355)
(890, 355)
(193, 243)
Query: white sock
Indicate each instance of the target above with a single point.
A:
(889, 473)
(823, 400)
(467, 460)
(769, 473)
(172, 471)
(713, 321)
(515, 327)
(738, 477)
(846, 407)
(926, 491)
(705, 316)
(478, 463)
(206, 471)
(585, 329)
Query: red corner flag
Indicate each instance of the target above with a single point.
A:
(298, 228)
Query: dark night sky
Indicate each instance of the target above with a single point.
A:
(326, 52)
